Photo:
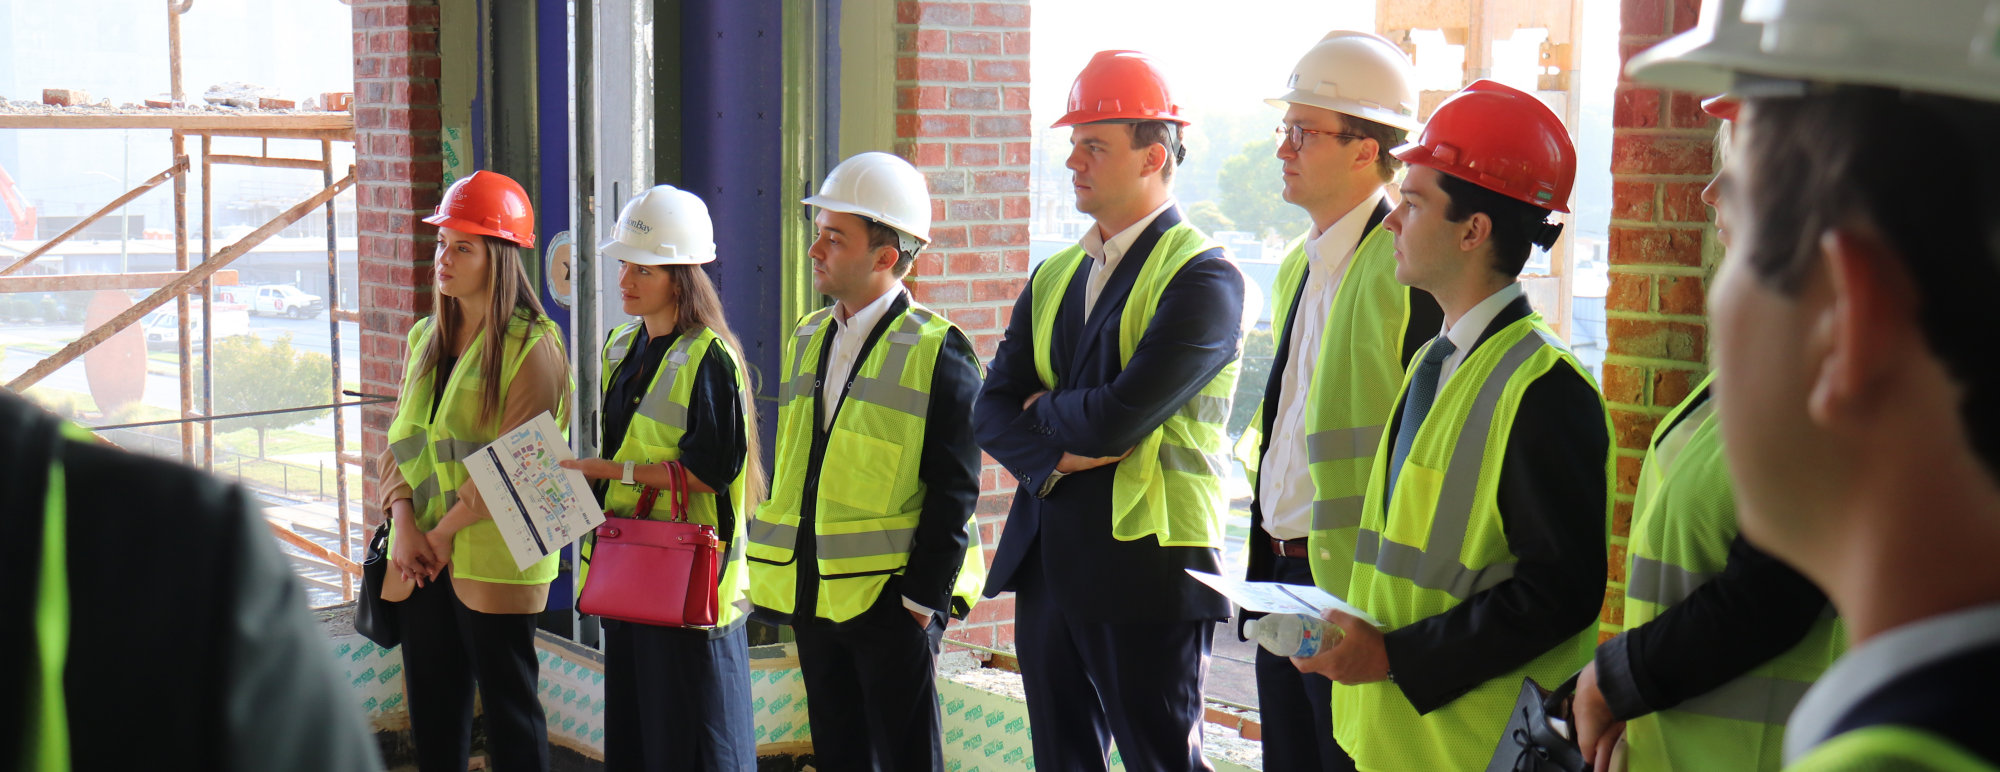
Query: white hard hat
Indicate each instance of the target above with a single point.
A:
(662, 226)
(1946, 47)
(1357, 74)
(883, 188)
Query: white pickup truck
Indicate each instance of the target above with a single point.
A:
(163, 331)
(273, 300)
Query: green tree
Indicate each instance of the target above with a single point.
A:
(251, 375)
(1252, 192)
(1209, 217)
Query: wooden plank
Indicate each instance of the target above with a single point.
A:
(184, 122)
(72, 282)
(337, 135)
(269, 163)
(312, 548)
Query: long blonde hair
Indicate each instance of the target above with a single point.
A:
(513, 295)
(697, 306)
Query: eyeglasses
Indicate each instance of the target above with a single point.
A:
(1294, 136)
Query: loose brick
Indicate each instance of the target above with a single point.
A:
(1683, 296)
(1681, 202)
(1655, 246)
(1629, 292)
(1656, 154)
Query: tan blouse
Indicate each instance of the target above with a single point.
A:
(542, 384)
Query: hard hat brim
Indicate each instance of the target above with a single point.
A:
(1417, 155)
(1347, 107)
(623, 252)
(467, 226)
(1081, 117)
(1704, 62)
(836, 205)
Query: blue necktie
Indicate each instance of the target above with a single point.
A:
(1423, 391)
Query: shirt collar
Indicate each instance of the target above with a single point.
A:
(872, 313)
(1346, 234)
(1465, 334)
(1108, 252)
(1880, 661)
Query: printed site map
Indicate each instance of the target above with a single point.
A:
(538, 506)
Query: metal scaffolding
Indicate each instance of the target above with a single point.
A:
(176, 285)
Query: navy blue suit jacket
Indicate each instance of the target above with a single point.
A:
(1102, 408)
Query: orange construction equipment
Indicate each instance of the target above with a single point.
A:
(1499, 138)
(24, 215)
(489, 204)
(1121, 86)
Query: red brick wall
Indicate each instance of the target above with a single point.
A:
(1663, 252)
(962, 118)
(397, 153)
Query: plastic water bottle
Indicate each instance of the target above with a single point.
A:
(1292, 635)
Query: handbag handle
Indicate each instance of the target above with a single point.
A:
(677, 494)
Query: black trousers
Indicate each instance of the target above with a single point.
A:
(1091, 682)
(1298, 726)
(676, 700)
(871, 690)
(447, 649)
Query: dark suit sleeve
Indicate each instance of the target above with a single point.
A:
(714, 447)
(1029, 454)
(1757, 609)
(1552, 503)
(950, 471)
(1426, 322)
(1196, 331)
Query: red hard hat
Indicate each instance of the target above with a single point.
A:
(1121, 85)
(1725, 106)
(489, 204)
(1502, 139)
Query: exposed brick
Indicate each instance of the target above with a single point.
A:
(1621, 520)
(975, 318)
(1654, 154)
(947, 237)
(1672, 387)
(1628, 474)
(1000, 14)
(928, 263)
(1001, 71)
(1681, 202)
(1629, 292)
(999, 235)
(1016, 208)
(1642, 17)
(940, 291)
(1017, 154)
(975, 154)
(976, 42)
(1636, 108)
(929, 41)
(1001, 126)
(1686, 13)
(1615, 564)
(981, 98)
(1657, 339)
(934, 14)
(920, 98)
(1624, 384)
(1632, 429)
(924, 153)
(999, 182)
(1014, 97)
(946, 183)
(931, 68)
(1655, 246)
(1683, 296)
(970, 263)
(1017, 43)
(1632, 200)
(966, 209)
(1686, 111)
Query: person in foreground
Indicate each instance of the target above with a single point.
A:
(1858, 391)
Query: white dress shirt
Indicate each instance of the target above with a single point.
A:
(1284, 482)
(1466, 333)
(1105, 254)
(849, 335)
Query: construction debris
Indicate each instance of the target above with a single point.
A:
(163, 101)
(65, 97)
(239, 94)
(336, 101)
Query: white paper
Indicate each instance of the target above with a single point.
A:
(1278, 598)
(539, 506)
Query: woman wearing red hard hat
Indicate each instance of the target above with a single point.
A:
(486, 361)
(1481, 549)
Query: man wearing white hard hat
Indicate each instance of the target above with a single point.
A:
(866, 547)
(679, 423)
(1345, 331)
(1854, 336)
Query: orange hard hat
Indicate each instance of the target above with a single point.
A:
(1725, 106)
(1502, 139)
(489, 204)
(1121, 86)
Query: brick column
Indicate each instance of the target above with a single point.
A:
(1663, 252)
(962, 118)
(399, 164)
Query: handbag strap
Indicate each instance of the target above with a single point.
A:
(677, 494)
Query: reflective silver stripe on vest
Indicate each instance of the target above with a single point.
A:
(796, 384)
(1754, 698)
(886, 389)
(868, 544)
(409, 448)
(1662, 583)
(1438, 567)
(772, 534)
(452, 449)
(1343, 444)
(621, 342)
(422, 493)
(1207, 409)
(658, 404)
(1192, 461)
(1334, 514)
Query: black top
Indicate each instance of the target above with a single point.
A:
(1951, 698)
(1757, 609)
(444, 367)
(1103, 408)
(1552, 506)
(714, 446)
(178, 596)
(948, 466)
(1426, 318)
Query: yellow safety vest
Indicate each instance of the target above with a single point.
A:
(430, 453)
(1353, 391)
(870, 498)
(1890, 748)
(1684, 523)
(1436, 540)
(654, 436)
(1170, 487)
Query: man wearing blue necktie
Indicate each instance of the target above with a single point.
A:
(1481, 547)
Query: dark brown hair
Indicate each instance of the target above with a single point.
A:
(1517, 224)
(698, 306)
(1146, 133)
(880, 236)
(1386, 138)
(1841, 157)
(513, 295)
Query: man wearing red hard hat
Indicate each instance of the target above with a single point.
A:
(1108, 400)
(1481, 549)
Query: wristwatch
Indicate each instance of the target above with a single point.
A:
(627, 479)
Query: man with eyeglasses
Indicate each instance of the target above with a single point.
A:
(1345, 329)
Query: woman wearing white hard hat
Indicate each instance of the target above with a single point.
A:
(679, 422)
